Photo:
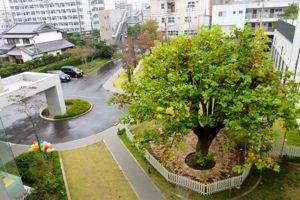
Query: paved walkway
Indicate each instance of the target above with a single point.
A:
(142, 184)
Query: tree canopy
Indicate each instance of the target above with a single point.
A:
(291, 12)
(210, 82)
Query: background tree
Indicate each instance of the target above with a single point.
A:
(81, 52)
(30, 107)
(129, 62)
(145, 42)
(149, 33)
(76, 39)
(291, 12)
(132, 33)
(209, 82)
(103, 50)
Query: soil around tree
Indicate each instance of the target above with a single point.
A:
(225, 158)
(192, 163)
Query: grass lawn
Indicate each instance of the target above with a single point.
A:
(292, 137)
(123, 78)
(92, 173)
(91, 66)
(75, 107)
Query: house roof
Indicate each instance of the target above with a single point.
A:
(41, 48)
(14, 52)
(54, 45)
(6, 46)
(19, 36)
(29, 28)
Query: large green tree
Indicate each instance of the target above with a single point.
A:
(210, 82)
(291, 12)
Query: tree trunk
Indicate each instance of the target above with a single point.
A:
(205, 136)
(129, 74)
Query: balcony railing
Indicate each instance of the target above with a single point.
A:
(264, 15)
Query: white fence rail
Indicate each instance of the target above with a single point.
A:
(205, 189)
(284, 149)
(210, 188)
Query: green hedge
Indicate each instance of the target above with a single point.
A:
(59, 64)
(42, 172)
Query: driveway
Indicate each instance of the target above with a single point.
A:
(103, 116)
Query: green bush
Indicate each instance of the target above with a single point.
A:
(58, 65)
(42, 172)
(75, 107)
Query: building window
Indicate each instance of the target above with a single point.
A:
(13, 41)
(163, 20)
(172, 33)
(222, 13)
(162, 6)
(240, 12)
(188, 19)
(171, 19)
(26, 41)
(191, 4)
(190, 32)
(171, 7)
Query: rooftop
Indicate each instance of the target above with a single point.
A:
(29, 28)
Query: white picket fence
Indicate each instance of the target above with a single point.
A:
(287, 150)
(205, 189)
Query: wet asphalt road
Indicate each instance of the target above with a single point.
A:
(102, 116)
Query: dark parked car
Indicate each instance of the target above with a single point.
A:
(63, 77)
(72, 71)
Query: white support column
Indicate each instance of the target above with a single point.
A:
(3, 192)
(55, 100)
(1, 85)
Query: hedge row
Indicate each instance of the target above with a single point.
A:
(18, 68)
(58, 65)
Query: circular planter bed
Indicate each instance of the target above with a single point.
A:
(75, 108)
(181, 159)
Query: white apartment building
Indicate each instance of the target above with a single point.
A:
(29, 40)
(68, 15)
(111, 24)
(261, 14)
(178, 16)
(286, 47)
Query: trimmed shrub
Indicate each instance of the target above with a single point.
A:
(42, 172)
(75, 107)
(58, 65)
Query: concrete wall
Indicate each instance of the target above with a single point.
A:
(105, 26)
(286, 54)
(109, 22)
(231, 15)
(199, 15)
(47, 37)
(28, 84)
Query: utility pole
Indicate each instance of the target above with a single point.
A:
(48, 11)
(261, 13)
(91, 17)
(78, 15)
(6, 16)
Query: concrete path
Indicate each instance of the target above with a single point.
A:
(140, 181)
(142, 184)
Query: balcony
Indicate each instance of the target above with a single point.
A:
(264, 15)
